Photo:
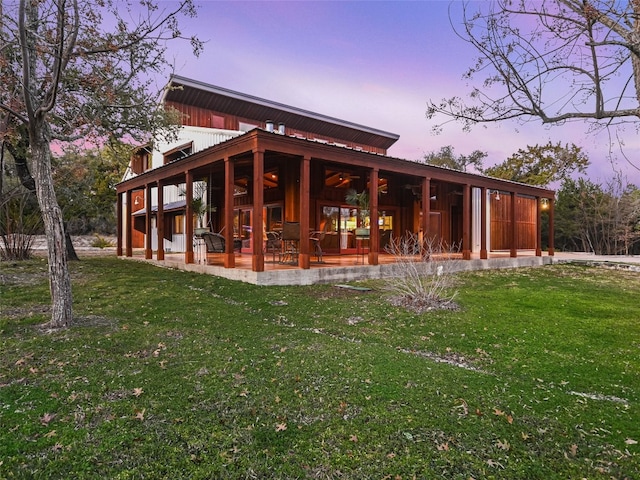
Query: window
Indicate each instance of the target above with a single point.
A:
(178, 152)
(216, 121)
(178, 224)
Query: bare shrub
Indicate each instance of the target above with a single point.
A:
(422, 274)
(18, 226)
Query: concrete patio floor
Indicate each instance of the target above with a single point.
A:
(334, 268)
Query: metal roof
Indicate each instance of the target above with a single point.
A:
(193, 92)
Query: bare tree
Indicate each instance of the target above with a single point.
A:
(79, 70)
(557, 61)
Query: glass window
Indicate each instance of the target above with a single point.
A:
(178, 224)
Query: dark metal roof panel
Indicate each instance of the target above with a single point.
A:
(196, 93)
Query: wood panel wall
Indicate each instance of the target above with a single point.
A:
(501, 223)
(201, 117)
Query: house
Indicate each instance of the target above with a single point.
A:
(258, 166)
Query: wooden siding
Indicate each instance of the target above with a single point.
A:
(501, 222)
(201, 117)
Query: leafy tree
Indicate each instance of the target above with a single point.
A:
(541, 165)
(601, 219)
(556, 61)
(85, 185)
(79, 70)
(446, 158)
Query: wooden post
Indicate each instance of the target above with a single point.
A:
(305, 205)
(148, 254)
(257, 258)
(188, 230)
(160, 221)
(119, 231)
(374, 228)
(551, 249)
(229, 255)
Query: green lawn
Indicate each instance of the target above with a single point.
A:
(169, 374)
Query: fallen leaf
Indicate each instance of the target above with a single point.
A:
(353, 438)
(630, 441)
(497, 411)
(493, 463)
(573, 451)
(137, 392)
(277, 399)
(50, 434)
(281, 427)
(503, 445)
(46, 418)
(140, 414)
(509, 419)
(525, 436)
(443, 447)
(464, 408)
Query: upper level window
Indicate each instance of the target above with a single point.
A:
(178, 152)
(217, 121)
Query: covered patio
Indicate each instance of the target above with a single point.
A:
(258, 182)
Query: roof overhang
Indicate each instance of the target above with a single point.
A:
(243, 146)
(192, 92)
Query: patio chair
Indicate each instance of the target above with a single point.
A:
(290, 240)
(273, 244)
(317, 237)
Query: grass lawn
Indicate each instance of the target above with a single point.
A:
(169, 374)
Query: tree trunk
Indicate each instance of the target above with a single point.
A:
(59, 279)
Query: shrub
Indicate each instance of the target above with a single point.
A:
(422, 274)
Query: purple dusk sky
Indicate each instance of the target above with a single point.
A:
(376, 63)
